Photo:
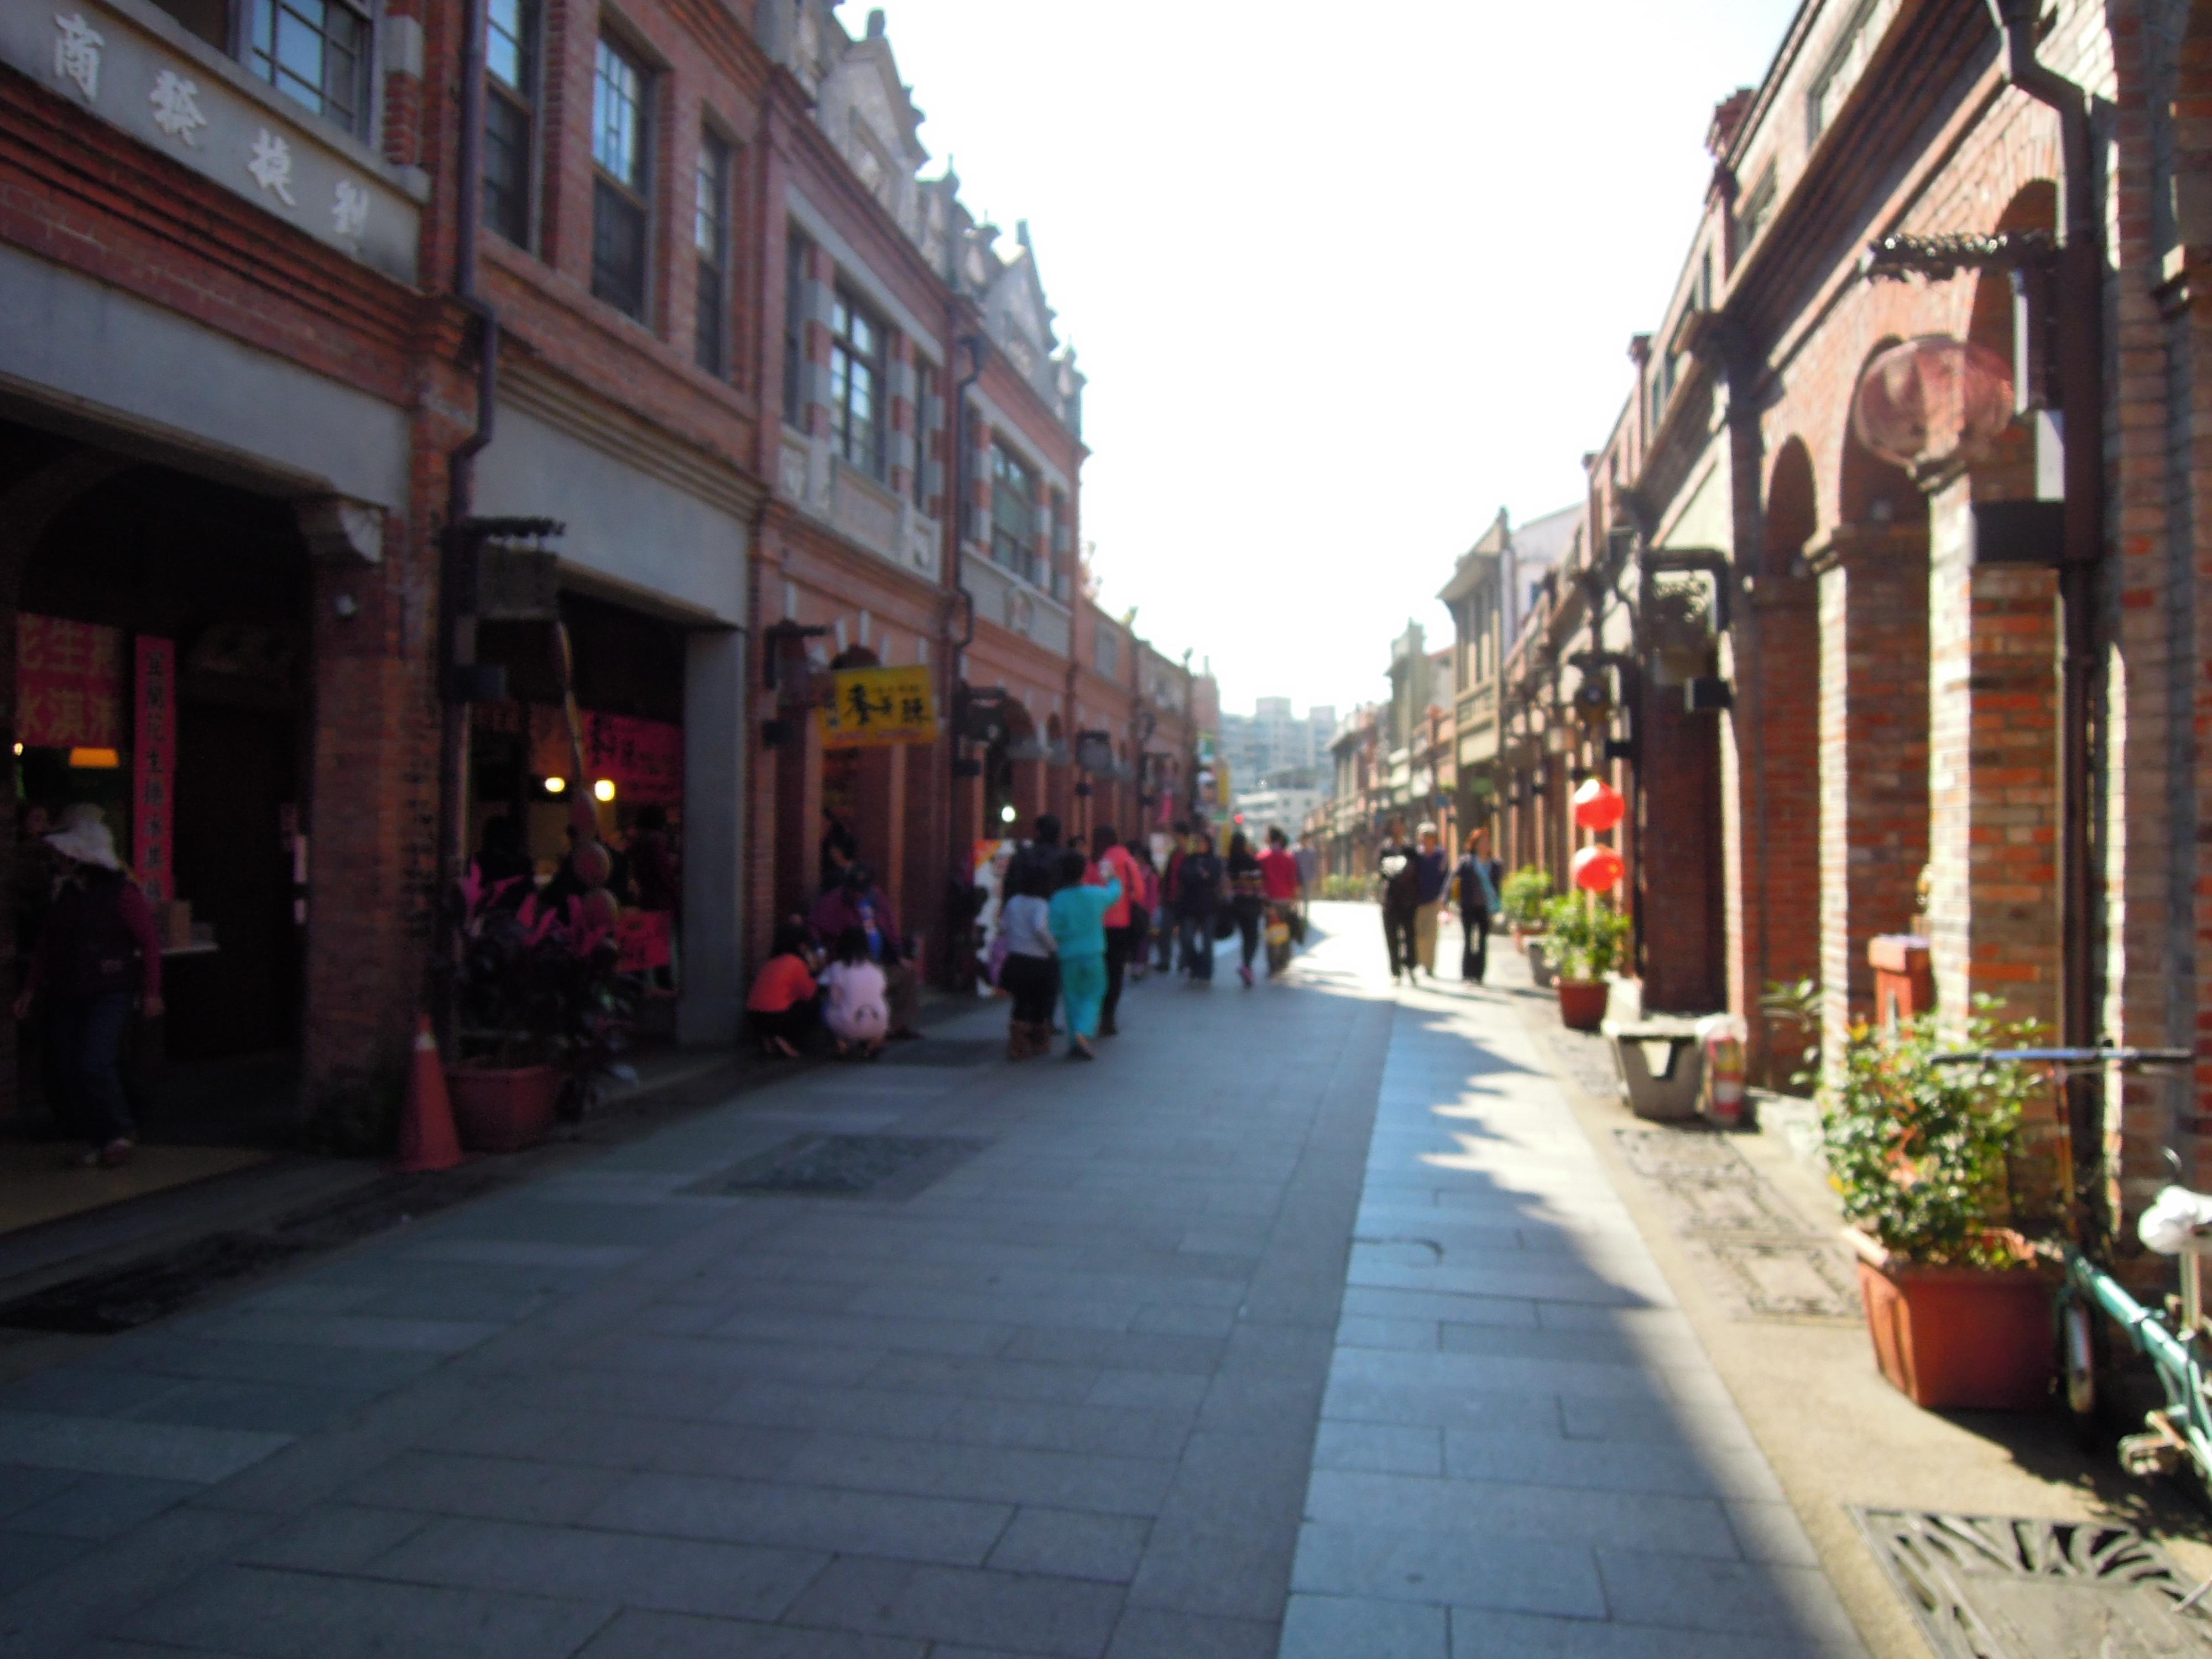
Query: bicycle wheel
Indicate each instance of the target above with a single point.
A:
(2078, 1356)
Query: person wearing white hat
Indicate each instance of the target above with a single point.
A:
(97, 955)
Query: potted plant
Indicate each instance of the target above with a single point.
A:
(1922, 1155)
(1586, 939)
(543, 1012)
(1526, 891)
(1679, 624)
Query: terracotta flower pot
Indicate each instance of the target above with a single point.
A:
(1978, 1339)
(1581, 1002)
(500, 1110)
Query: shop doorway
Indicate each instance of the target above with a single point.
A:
(161, 678)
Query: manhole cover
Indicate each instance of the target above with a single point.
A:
(945, 1051)
(847, 1166)
(1992, 1587)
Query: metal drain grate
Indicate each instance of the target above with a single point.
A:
(945, 1051)
(1992, 1587)
(847, 1166)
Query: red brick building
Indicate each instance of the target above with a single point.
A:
(1830, 683)
(790, 406)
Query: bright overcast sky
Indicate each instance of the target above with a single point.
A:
(1345, 279)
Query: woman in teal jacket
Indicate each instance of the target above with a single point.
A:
(1078, 915)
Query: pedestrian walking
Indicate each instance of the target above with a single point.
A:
(1124, 937)
(1434, 865)
(1168, 911)
(1247, 902)
(1077, 914)
(1402, 898)
(1478, 904)
(1037, 861)
(782, 1009)
(97, 954)
(1029, 969)
(1144, 911)
(1198, 877)
(854, 1004)
(1285, 887)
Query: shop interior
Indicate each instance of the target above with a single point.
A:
(161, 683)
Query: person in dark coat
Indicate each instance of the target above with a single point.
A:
(98, 956)
(1399, 864)
(1198, 883)
(1478, 902)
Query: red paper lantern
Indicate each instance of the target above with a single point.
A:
(1598, 805)
(1597, 869)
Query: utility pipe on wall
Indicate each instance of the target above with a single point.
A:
(2081, 402)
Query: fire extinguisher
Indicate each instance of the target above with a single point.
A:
(1722, 1037)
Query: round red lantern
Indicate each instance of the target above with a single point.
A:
(1598, 805)
(1597, 869)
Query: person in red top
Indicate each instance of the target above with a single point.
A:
(782, 1008)
(1278, 871)
(1121, 932)
(97, 955)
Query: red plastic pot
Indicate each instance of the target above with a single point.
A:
(498, 1110)
(1581, 1002)
(1974, 1338)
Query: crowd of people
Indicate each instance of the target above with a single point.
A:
(1065, 922)
(1075, 923)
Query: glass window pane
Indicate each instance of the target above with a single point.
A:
(509, 26)
(507, 168)
(708, 348)
(618, 250)
(617, 94)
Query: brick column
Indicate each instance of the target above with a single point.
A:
(1873, 755)
(1773, 806)
(1993, 773)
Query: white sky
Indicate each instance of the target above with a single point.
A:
(1344, 278)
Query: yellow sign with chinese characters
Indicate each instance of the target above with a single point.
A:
(877, 705)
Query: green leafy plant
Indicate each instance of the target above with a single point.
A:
(1527, 890)
(1920, 1153)
(1586, 939)
(1356, 889)
(1795, 1007)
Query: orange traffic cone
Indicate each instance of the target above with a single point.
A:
(426, 1140)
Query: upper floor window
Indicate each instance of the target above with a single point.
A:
(856, 380)
(1013, 513)
(925, 398)
(1058, 508)
(620, 217)
(510, 115)
(795, 251)
(316, 52)
(1758, 208)
(710, 238)
(1110, 653)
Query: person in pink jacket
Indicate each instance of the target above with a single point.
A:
(1112, 862)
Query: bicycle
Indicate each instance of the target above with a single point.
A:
(2181, 1430)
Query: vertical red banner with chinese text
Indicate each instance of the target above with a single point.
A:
(153, 764)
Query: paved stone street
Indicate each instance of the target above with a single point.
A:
(1306, 1321)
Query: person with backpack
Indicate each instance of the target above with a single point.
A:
(1399, 864)
(1478, 902)
(1198, 879)
(97, 955)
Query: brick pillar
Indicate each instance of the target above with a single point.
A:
(1773, 802)
(1674, 857)
(1994, 797)
(371, 873)
(1873, 755)
(797, 817)
(1993, 773)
